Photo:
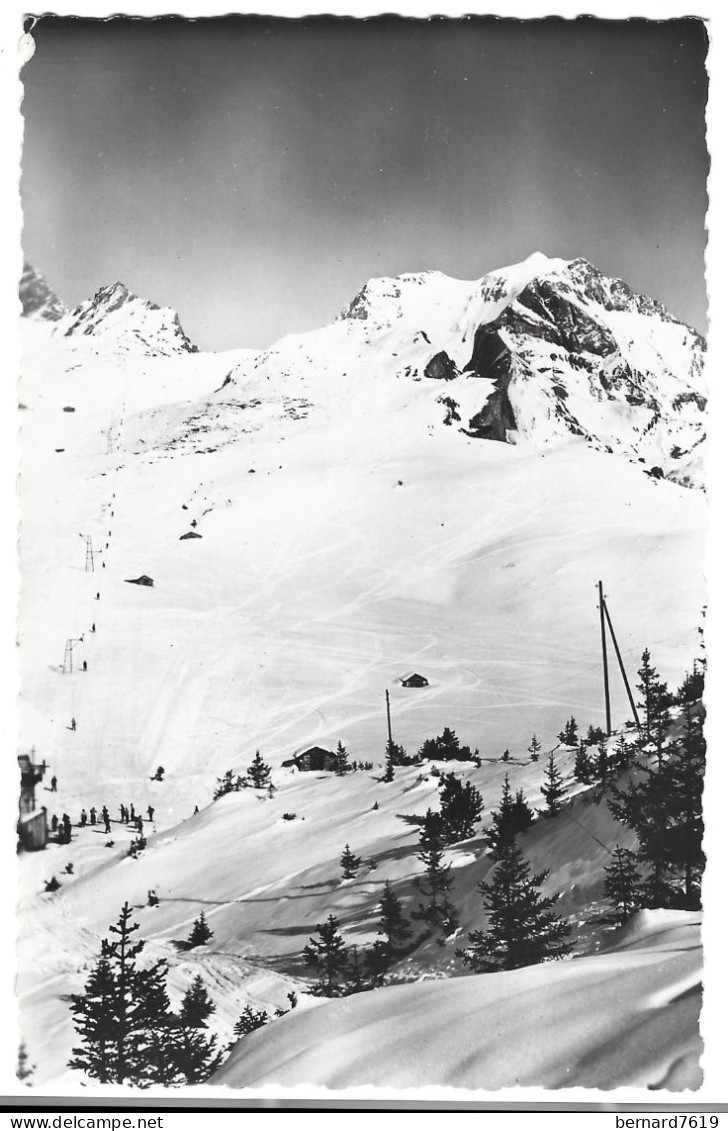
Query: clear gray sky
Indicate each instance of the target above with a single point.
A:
(253, 172)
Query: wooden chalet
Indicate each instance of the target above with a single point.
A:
(414, 679)
(315, 758)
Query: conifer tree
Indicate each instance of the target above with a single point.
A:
(350, 863)
(123, 1015)
(583, 768)
(341, 763)
(449, 744)
(228, 783)
(622, 883)
(664, 809)
(512, 817)
(201, 932)
(259, 772)
(460, 806)
(96, 1025)
(654, 701)
(522, 928)
(389, 765)
(249, 1021)
(392, 922)
(197, 1005)
(623, 754)
(603, 765)
(194, 1054)
(436, 882)
(568, 736)
(533, 748)
(554, 789)
(328, 954)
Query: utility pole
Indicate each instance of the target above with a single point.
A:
(389, 718)
(604, 660)
(621, 665)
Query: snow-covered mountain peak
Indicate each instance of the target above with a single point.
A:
(118, 321)
(38, 301)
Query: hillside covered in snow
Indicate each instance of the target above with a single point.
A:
(432, 483)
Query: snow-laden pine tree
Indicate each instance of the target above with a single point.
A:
(435, 883)
(522, 928)
(393, 923)
(513, 816)
(341, 764)
(123, 1015)
(201, 932)
(460, 806)
(195, 1054)
(258, 772)
(350, 864)
(250, 1020)
(328, 954)
(554, 789)
(622, 883)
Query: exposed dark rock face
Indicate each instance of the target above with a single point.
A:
(441, 367)
(37, 298)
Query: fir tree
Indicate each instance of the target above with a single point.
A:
(506, 756)
(341, 763)
(533, 748)
(654, 701)
(583, 768)
(603, 764)
(622, 883)
(623, 754)
(554, 789)
(328, 954)
(201, 933)
(568, 736)
(389, 764)
(460, 806)
(96, 1024)
(392, 922)
(350, 863)
(512, 817)
(522, 929)
(197, 1005)
(259, 772)
(448, 744)
(249, 1021)
(436, 882)
(594, 735)
(123, 1015)
(228, 783)
(664, 810)
(193, 1054)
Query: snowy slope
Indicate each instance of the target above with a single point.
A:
(348, 534)
(629, 1014)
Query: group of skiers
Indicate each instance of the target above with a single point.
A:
(127, 816)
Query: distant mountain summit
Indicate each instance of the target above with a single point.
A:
(536, 353)
(118, 321)
(38, 300)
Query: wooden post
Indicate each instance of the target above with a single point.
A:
(604, 660)
(621, 665)
(389, 718)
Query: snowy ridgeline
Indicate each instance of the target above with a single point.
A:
(318, 520)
